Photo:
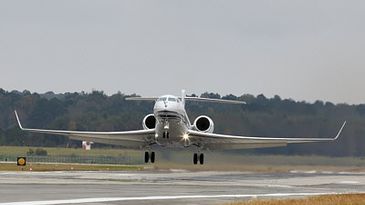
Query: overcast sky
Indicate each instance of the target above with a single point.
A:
(304, 50)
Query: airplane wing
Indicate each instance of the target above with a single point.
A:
(130, 139)
(221, 141)
(142, 98)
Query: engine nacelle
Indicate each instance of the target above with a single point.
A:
(149, 122)
(204, 124)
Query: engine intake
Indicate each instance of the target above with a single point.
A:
(204, 124)
(149, 122)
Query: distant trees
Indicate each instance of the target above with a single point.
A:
(261, 116)
(210, 95)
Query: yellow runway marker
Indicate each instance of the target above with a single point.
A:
(21, 161)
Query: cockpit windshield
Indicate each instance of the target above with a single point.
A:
(162, 99)
(168, 98)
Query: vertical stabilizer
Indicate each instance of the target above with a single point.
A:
(183, 95)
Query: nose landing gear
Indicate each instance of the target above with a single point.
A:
(166, 135)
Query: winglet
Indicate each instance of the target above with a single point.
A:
(340, 131)
(17, 118)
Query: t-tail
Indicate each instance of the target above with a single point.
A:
(183, 96)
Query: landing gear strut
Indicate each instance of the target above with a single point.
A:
(149, 157)
(198, 158)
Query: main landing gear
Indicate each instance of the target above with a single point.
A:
(149, 157)
(198, 158)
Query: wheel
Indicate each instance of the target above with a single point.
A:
(152, 157)
(195, 158)
(201, 158)
(146, 157)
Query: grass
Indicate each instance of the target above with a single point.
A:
(216, 161)
(68, 167)
(256, 168)
(56, 151)
(340, 199)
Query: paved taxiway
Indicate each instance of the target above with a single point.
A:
(168, 187)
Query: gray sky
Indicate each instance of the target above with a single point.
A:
(305, 50)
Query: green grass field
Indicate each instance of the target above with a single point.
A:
(56, 151)
(182, 159)
(68, 167)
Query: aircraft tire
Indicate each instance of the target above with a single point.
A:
(195, 158)
(146, 157)
(152, 157)
(201, 158)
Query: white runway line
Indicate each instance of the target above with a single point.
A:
(147, 198)
(349, 182)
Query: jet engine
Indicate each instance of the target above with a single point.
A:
(204, 124)
(149, 122)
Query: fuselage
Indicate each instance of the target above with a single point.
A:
(172, 121)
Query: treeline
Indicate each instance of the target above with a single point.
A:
(261, 116)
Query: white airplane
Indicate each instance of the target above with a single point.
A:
(169, 126)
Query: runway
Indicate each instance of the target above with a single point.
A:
(167, 187)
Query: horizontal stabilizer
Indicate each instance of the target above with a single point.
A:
(196, 99)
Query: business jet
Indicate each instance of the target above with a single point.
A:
(169, 126)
